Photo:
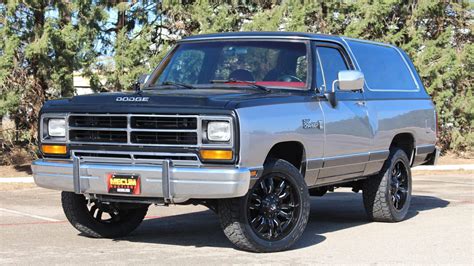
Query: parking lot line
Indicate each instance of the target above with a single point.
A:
(30, 215)
(33, 223)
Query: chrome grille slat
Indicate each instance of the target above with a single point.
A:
(170, 123)
(98, 128)
(182, 138)
(80, 121)
(98, 136)
(136, 157)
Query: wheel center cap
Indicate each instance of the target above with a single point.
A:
(270, 205)
(396, 185)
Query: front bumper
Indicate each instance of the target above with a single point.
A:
(172, 183)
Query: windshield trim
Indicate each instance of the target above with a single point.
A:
(309, 55)
(226, 86)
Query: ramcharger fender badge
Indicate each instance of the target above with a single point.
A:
(307, 124)
(132, 99)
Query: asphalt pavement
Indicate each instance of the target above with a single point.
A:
(439, 230)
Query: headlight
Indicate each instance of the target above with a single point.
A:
(57, 127)
(218, 131)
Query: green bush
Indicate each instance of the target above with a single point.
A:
(44, 42)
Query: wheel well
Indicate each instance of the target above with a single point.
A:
(291, 151)
(404, 141)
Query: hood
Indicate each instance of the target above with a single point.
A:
(166, 100)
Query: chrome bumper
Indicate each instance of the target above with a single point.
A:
(173, 183)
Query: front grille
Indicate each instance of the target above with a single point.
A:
(164, 122)
(179, 138)
(98, 121)
(143, 130)
(98, 136)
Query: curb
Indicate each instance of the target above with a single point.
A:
(444, 167)
(465, 167)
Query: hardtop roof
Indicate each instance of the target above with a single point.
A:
(275, 35)
(262, 34)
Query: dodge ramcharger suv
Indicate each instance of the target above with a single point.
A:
(249, 124)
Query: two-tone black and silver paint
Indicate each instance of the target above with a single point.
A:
(340, 143)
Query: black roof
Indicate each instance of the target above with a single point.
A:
(264, 34)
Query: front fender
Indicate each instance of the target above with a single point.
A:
(262, 127)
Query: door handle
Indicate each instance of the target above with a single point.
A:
(360, 103)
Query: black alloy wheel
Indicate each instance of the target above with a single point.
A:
(399, 185)
(98, 219)
(387, 195)
(272, 215)
(106, 213)
(273, 207)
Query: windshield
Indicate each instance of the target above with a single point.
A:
(266, 63)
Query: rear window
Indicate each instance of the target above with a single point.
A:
(383, 67)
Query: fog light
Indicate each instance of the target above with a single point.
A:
(216, 154)
(54, 149)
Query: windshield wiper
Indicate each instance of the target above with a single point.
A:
(251, 83)
(179, 84)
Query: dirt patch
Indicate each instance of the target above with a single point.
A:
(16, 186)
(15, 171)
(442, 172)
(453, 159)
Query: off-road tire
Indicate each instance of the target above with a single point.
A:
(376, 191)
(233, 214)
(77, 213)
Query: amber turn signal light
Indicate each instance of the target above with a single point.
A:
(216, 154)
(54, 149)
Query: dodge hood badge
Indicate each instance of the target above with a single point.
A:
(132, 99)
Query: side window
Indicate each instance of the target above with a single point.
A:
(332, 62)
(383, 67)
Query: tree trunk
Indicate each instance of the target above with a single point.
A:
(39, 21)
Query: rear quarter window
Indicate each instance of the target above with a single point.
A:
(383, 67)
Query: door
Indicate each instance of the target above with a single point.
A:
(348, 133)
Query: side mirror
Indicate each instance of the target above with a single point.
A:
(347, 80)
(138, 85)
(331, 96)
(350, 80)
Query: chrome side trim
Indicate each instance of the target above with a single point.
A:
(425, 149)
(336, 161)
(312, 164)
(378, 155)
